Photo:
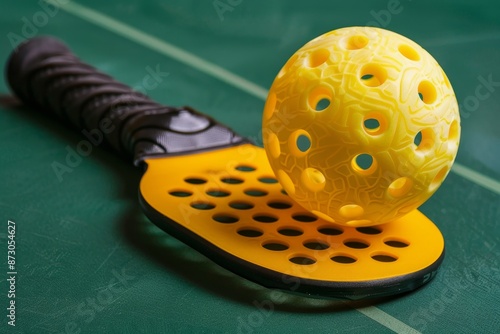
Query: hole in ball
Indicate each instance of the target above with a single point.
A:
(364, 161)
(373, 75)
(418, 139)
(318, 57)
(409, 52)
(364, 164)
(400, 187)
(313, 179)
(453, 131)
(427, 92)
(273, 145)
(438, 179)
(374, 123)
(299, 142)
(286, 182)
(371, 124)
(322, 104)
(424, 140)
(303, 143)
(355, 42)
(351, 211)
(320, 98)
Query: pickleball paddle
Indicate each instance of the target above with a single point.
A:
(215, 191)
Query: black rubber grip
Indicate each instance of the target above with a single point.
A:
(44, 74)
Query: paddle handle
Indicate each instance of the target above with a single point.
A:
(45, 74)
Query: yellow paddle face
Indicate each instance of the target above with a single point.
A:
(228, 205)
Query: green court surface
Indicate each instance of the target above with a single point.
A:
(88, 261)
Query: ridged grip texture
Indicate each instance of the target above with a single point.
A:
(44, 74)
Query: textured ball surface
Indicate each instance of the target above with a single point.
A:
(361, 126)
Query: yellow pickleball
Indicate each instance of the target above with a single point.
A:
(361, 126)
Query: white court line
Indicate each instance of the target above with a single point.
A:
(188, 58)
(162, 47)
(476, 177)
(387, 320)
